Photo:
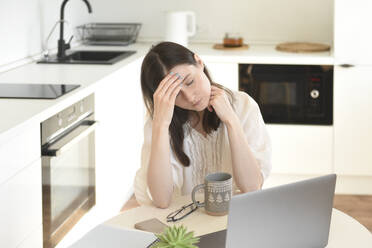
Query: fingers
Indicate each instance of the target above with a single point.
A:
(170, 88)
(164, 81)
(174, 93)
(215, 92)
(164, 84)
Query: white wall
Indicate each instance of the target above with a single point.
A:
(256, 20)
(24, 24)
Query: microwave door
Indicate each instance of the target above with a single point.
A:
(283, 94)
(280, 100)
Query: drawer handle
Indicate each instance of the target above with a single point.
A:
(347, 65)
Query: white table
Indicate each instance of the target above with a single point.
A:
(344, 232)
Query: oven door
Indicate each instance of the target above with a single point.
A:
(68, 174)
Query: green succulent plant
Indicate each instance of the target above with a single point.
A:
(176, 237)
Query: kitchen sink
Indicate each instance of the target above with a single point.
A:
(88, 57)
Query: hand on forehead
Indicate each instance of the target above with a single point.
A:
(182, 70)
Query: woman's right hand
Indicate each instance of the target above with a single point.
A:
(164, 99)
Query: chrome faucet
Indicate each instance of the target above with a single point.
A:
(62, 45)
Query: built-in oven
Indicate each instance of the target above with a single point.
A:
(290, 94)
(68, 168)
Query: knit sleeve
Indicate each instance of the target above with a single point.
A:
(141, 189)
(255, 130)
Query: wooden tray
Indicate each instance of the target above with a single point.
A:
(221, 47)
(302, 47)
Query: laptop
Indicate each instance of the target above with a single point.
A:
(292, 215)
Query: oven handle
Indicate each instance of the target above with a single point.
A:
(70, 139)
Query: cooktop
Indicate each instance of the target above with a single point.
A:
(35, 91)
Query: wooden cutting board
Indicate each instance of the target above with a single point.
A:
(221, 47)
(302, 47)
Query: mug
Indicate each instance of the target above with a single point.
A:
(217, 193)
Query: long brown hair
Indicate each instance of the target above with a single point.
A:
(157, 63)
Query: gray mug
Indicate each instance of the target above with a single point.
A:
(217, 193)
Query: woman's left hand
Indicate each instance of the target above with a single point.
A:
(221, 104)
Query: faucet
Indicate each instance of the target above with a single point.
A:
(62, 46)
(46, 42)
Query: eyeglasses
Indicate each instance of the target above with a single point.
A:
(182, 212)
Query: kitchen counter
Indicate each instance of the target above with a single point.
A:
(16, 113)
(262, 54)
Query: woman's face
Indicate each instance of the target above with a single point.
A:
(196, 89)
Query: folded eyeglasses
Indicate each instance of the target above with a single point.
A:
(182, 212)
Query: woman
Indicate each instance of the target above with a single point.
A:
(195, 127)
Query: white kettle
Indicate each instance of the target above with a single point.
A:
(179, 26)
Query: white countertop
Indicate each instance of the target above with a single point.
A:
(17, 113)
(261, 54)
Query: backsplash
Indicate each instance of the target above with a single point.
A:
(256, 20)
(25, 24)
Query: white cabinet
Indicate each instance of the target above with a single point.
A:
(225, 74)
(21, 207)
(353, 96)
(34, 240)
(353, 120)
(120, 110)
(300, 149)
(19, 151)
(352, 35)
(20, 188)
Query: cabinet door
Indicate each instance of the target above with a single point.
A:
(224, 73)
(21, 206)
(25, 142)
(301, 150)
(34, 240)
(353, 120)
(352, 35)
(119, 109)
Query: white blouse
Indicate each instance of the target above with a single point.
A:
(208, 154)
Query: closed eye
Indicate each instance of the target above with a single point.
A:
(190, 83)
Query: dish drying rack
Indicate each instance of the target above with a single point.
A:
(112, 34)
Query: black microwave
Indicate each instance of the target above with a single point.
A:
(290, 94)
